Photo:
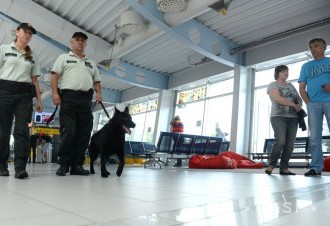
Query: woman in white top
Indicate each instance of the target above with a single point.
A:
(18, 85)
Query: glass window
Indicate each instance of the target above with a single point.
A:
(103, 119)
(191, 116)
(144, 116)
(209, 115)
(223, 87)
(261, 120)
(137, 132)
(149, 126)
(263, 78)
(261, 127)
(218, 117)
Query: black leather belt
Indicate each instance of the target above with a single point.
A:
(77, 92)
(15, 87)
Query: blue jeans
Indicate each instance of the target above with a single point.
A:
(285, 130)
(315, 123)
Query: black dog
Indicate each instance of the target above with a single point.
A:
(111, 140)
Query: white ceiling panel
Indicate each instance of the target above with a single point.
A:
(163, 54)
(252, 20)
(246, 21)
(97, 17)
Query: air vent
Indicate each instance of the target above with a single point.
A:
(131, 22)
(171, 6)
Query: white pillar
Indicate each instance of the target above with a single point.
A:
(241, 112)
(164, 112)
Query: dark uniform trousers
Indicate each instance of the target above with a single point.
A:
(18, 104)
(76, 124)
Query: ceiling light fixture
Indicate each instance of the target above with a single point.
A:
(221, 6)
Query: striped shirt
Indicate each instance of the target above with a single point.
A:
(177, 126)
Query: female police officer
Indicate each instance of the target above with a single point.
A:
(18, 85)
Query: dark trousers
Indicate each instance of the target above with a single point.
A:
(285, 130)
(18, 105)
(76, 124)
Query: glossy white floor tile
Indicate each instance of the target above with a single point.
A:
(168, 196)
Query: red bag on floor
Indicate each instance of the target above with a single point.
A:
(211, 162)
(250, 164)
(242, 161)
(226, 160)
(326, 166)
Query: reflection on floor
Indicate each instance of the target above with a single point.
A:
(167, 196)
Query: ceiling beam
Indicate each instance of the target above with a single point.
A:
(109, 95)
(36, 12)
(137, 76)
(39, 36)
(205, 41)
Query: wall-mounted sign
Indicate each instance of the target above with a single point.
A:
(191, 95)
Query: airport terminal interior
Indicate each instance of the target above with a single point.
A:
(208, 62)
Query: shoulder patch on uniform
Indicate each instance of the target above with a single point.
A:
(88, 64)
(11, 54)
(29, 60)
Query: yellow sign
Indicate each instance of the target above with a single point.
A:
(49, 131)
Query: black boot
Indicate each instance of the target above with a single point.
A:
(4, 170)
(78, 170)
(62, 170)
(21, 173)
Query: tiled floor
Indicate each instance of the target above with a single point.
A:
(169, 196)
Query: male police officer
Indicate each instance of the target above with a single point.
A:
(73, 78)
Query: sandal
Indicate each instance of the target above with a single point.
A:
(269, 170)
(286, 172)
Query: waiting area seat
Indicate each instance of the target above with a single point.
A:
(213, 146)
(144, 150)
(174, 146)
(200, 145)
(182, 150)
(137, 149)
(300, 152)
(151, 155)
(183, 146)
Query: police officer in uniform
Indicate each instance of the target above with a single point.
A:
(73, 78)
(18, 85)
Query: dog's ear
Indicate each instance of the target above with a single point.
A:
(126, 109)
(116, 111)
